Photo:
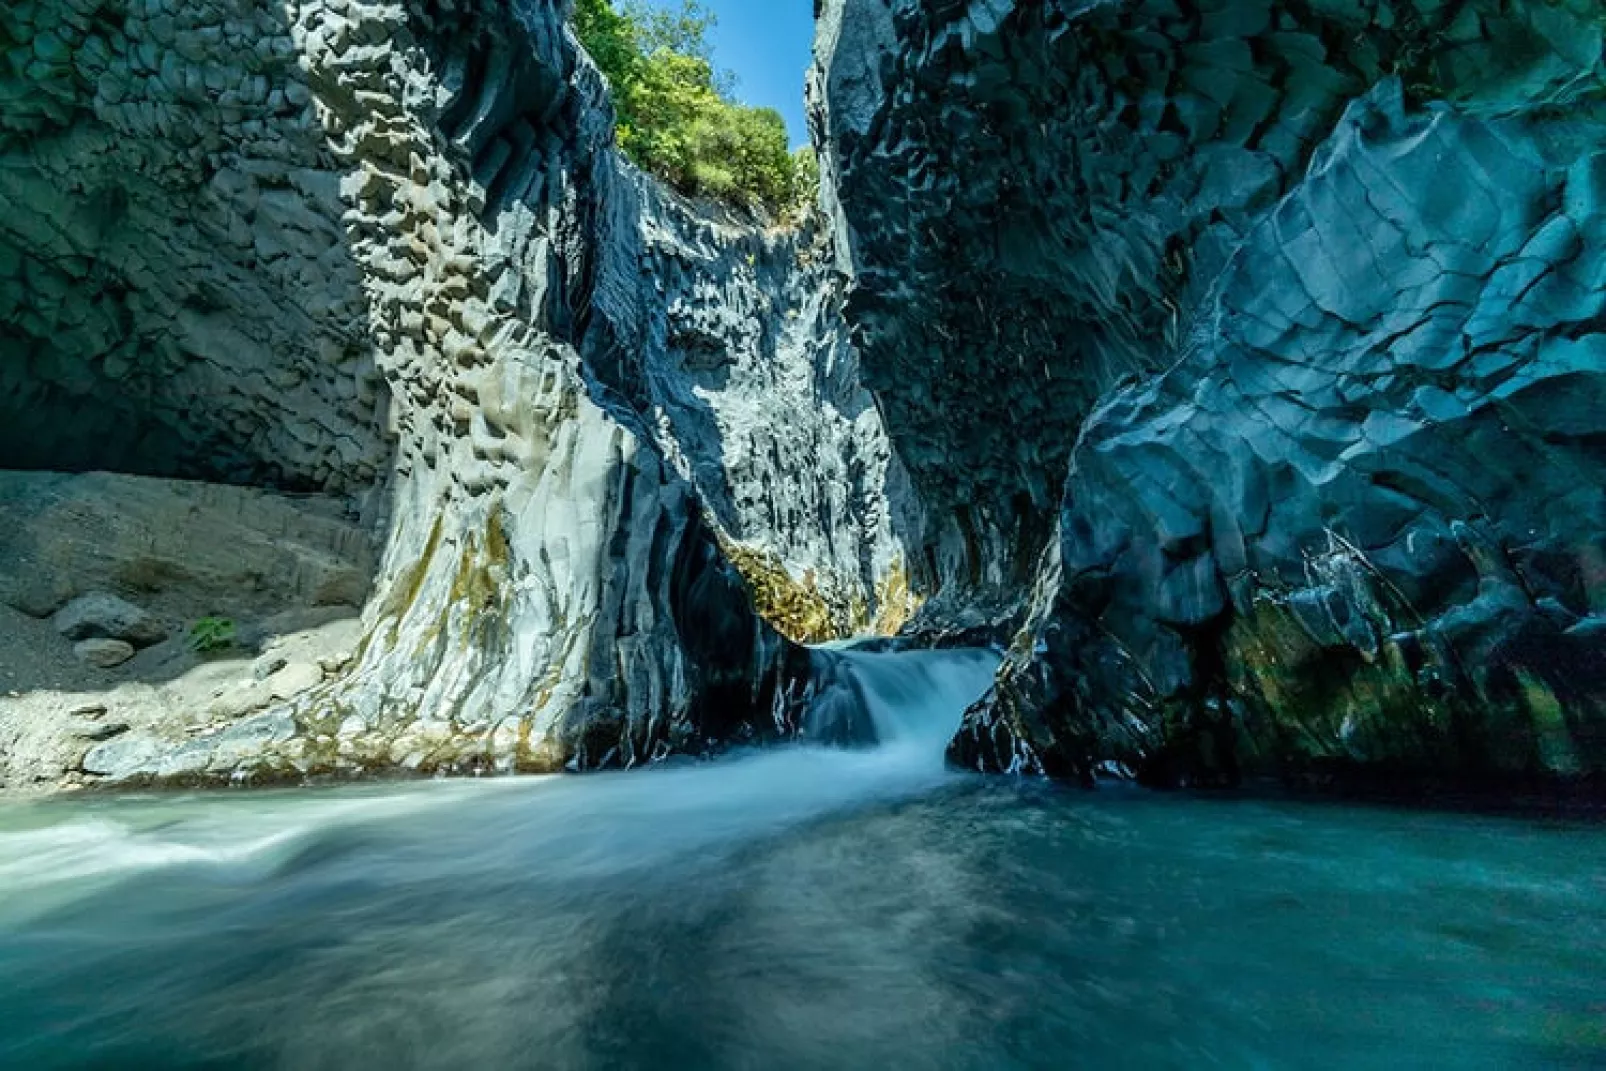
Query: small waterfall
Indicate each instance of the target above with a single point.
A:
(908, 700)
(901, 709)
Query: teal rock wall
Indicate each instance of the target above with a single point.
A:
(1355, 526)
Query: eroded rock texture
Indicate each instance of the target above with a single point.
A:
(1302, 297)
(1356, 524)
(744, 372)
(385, 251)
(178, 295)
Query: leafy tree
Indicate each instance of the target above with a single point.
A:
(676, 117)
(684, 31)
(610, 38)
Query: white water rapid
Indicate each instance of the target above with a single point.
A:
(579, 827)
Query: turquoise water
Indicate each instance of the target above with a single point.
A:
(793, 909)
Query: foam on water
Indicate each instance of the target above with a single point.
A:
(916, 699)
(585, 826)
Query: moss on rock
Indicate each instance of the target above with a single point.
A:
(797, 609)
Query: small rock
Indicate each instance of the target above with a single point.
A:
(99, 616)
(88, 710)
(250, 738)
(97, 731)
(352, 726)
(235, 702)
(104, 653)
(267, 666)
(191, 757)
(127, 756)
(336, 663)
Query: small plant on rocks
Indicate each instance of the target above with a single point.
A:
(212, 634)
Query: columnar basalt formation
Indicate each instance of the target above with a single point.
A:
(1239, 362)
(1036, 200)
(743, 369)
(385, 251)
(1316, 302)
(179, 297)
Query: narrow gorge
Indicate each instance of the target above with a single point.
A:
(487, 581)
(1227, 364)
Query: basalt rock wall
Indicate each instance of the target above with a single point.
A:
(1304, 297)
(729, 339)
(1239, 362)
(385, 252)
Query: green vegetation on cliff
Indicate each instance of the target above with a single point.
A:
(675, 116)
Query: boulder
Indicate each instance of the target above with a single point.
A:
(107, 654)
(126, 756)
(293, 679)
(100, 616)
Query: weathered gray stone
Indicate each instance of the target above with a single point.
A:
(124, 758)
(189, 549)
(186, 760)
(376, 298)
(97, 731)
(1346, 529)
(1303, 299)
(248, 740)
(100, 616)
(292, 680)
(107, 654)
(267, 666)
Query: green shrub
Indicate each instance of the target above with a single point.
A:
(805, 179)
(675, 116)
(212, 634)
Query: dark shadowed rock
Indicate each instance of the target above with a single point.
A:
(1353, 530)
(98, 731)
(1241, 360)
(99, 616)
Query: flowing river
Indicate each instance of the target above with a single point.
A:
(796, 908)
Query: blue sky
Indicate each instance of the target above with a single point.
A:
(768, 45)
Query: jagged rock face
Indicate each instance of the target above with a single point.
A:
(226, 549)
(379, 263)
(730, 343)
(1358, 525)
(1036, 199)
(1302, 297)
(177, 294)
